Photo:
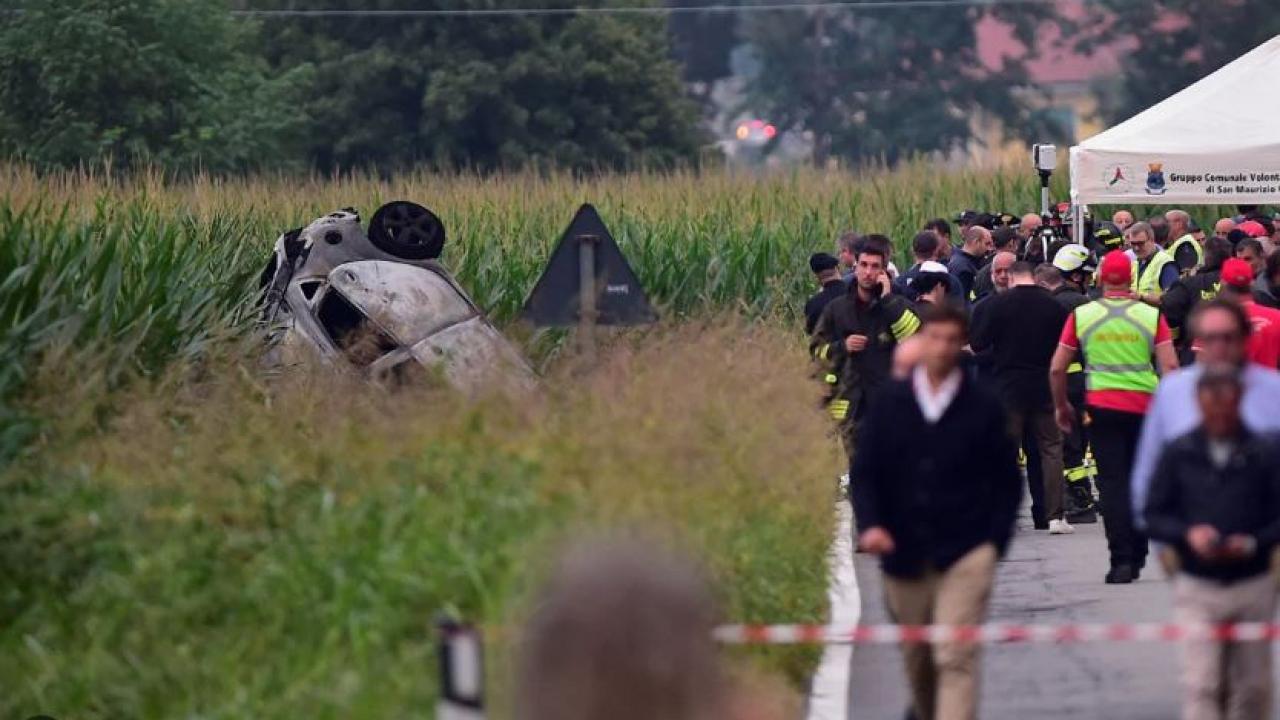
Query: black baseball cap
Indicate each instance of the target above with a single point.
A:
(821, 262)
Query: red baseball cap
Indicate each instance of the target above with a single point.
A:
(1116, 268)
(1237, 273)
(1252, 228)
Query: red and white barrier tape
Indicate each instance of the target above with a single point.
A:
(991, 634)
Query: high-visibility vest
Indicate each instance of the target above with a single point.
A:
(1117, 337)
(1185, 239)
(1148, 282)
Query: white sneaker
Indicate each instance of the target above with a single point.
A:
(1060, 527)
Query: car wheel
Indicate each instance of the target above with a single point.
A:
(407, 230)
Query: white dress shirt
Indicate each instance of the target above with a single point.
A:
(933, 403)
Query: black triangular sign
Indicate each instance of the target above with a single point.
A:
(619, 298)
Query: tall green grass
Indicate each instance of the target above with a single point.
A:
(229, 546)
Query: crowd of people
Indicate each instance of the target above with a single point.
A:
(1132, 372)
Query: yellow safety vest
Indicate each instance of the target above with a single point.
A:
(1118, 337)
(1148, 283)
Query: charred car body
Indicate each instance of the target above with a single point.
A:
(381, 302)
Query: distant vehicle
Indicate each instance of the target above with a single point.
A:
(381, 303)
(755, 132)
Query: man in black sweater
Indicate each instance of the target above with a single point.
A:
(1020, 327)
(1215, 500)
(936, 498)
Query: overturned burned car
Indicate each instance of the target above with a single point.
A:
(381, 303)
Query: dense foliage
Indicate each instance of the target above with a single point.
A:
(187, 84)
(168, 81)
(1172, 46)
(888, 84)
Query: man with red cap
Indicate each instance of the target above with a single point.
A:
(1122, 340)
(1264, 341)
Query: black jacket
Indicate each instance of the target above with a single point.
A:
(831, 290)
(1178, 301)
(939, 489)
(965, 269)
(1266, 294)
(1020, 327)
(885, 321)
(1242, 498)
(1069, 296)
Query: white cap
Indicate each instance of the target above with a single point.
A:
(932, 266)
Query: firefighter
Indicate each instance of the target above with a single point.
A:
(1184, 295)
(1067, 279)
(1119, 338)
(856, 336)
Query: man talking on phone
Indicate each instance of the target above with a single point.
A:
(856, 336)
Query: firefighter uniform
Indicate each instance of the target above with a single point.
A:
(1178, 302)
(1078, 468)
(885, 322)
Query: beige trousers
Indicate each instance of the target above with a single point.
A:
(944, 678)
(1225, 681)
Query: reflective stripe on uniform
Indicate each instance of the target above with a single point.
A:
(1075, 367)
(1076, 474)
(906, 325)
(839, 409)
(822, 351)
(1137, 367)
(831, 379)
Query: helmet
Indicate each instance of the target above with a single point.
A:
(1073, 257)
(1109, 236)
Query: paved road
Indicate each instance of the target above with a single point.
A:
(1044, 579)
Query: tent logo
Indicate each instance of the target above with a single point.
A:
(1118, 178)
(1155, 179)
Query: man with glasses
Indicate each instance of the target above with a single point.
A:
(1221, 330)
(1155, 271)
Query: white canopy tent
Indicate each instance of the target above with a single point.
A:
(1216, 142)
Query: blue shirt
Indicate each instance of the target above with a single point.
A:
(1174, 412)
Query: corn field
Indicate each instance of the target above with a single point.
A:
(146, 269)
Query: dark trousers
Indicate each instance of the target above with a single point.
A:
(1114, 436)
(1046, 449)
(1075, 442)
(1035, 488)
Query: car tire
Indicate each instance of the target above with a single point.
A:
(407, 230)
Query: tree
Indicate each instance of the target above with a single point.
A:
(172, 81)
(882, 84)
(488, 92)
(1176, 43)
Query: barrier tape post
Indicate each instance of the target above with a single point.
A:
(461, 671)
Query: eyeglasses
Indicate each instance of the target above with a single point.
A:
(1221, 337)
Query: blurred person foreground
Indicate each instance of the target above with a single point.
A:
(623, 630)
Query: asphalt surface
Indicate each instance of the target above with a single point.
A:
(1044, 579)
